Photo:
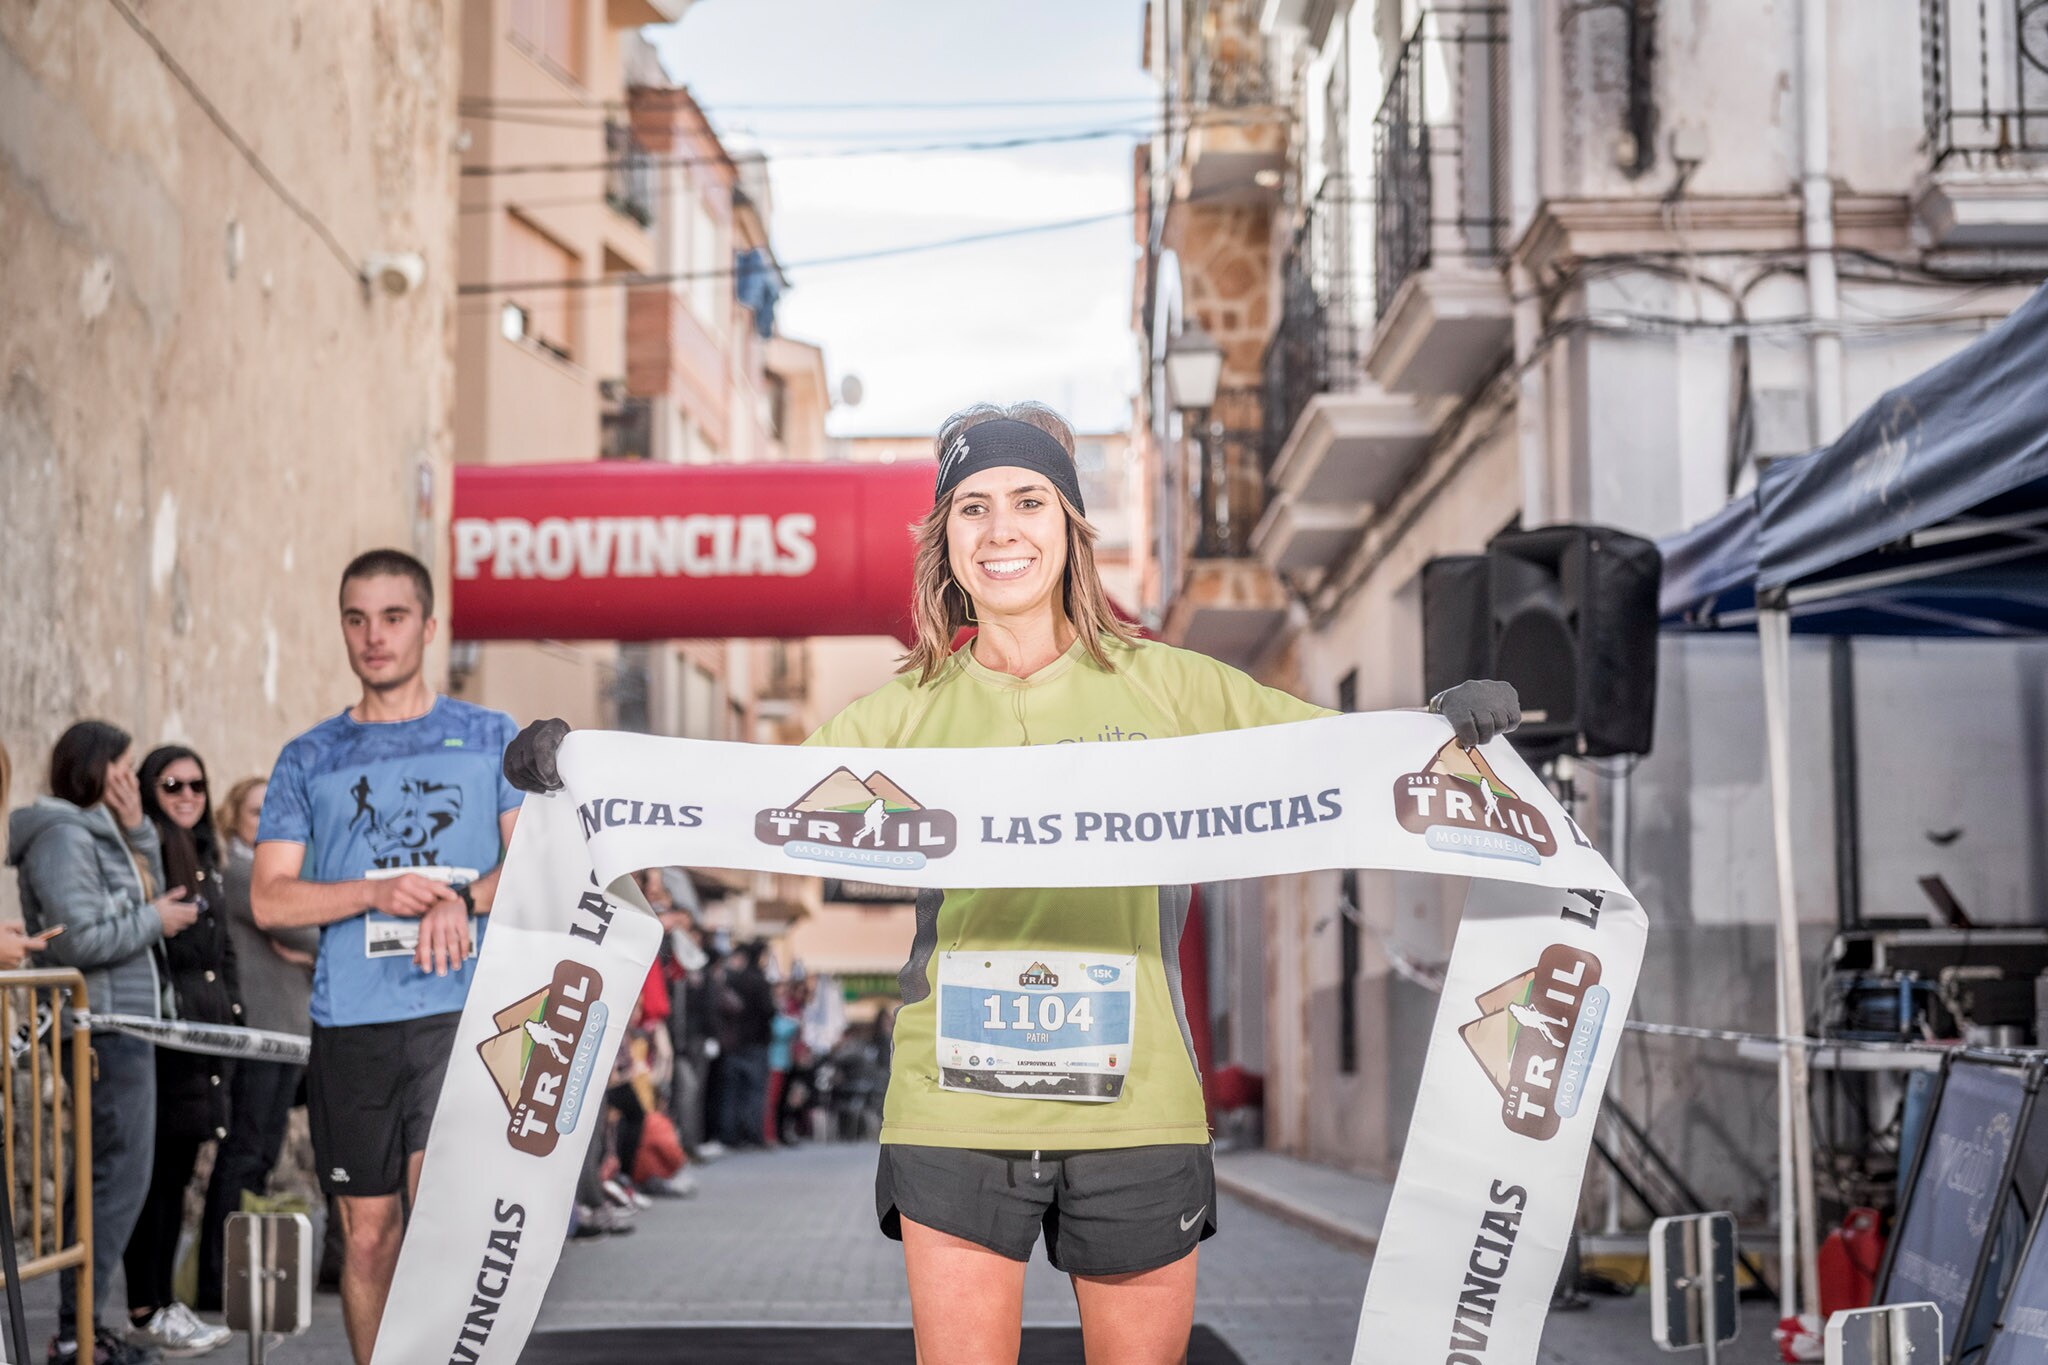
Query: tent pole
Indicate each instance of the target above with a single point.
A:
(1795, 1137)
(1848, 815)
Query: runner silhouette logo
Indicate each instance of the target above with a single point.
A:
(543, 1054)
(1536, 1036)
(864, 823)
(1459, 804)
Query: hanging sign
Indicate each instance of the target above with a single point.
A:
(617, 550)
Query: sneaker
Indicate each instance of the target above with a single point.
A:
(108, 1349)
(177, 1331)
(710, 1151)
(681, 1185)
(623, 1195)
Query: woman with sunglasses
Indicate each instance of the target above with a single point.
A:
(1113, 1170)
(91, 866)
(191, 1088)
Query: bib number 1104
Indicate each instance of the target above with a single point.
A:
(1050, 1016)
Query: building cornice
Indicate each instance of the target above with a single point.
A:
(1567, 230)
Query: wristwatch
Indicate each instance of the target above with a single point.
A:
(468, 897)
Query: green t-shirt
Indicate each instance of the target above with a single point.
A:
(1154, 692)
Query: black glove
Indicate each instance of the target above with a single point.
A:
(1477, 710)
(530, 757)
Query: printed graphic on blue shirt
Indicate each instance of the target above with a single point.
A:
(363, 798)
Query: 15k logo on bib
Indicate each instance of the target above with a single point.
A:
(1050, 1026)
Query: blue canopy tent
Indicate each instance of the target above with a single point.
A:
(1928, 516)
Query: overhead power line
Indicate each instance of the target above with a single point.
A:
(240, 144)
(837, 106)
(831, 153)
(635, 280)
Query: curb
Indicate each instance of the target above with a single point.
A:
(1301, 1214)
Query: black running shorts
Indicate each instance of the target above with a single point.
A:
(370, 1096)
(1110, 1212)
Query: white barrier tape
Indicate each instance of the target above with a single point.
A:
(1540, 977)
(1935, 1049)
(1430, 977)
(213, 1040)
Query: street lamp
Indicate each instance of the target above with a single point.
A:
(1194, 367)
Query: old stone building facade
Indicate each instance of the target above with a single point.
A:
(209, 398)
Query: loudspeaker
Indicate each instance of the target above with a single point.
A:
(1568, 614)
(1457, 640)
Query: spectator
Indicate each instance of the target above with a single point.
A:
(89, 862)
(747, 1005)
(16, 943)
(191, 1088)
(384, 813)
(275, 968)
(782, 1032)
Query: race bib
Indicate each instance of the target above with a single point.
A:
(1036, 1026)
(391, 936)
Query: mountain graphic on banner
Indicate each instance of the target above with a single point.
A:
(841, 790)
(506, 1052)
(1492, 1036)
(1455, 760)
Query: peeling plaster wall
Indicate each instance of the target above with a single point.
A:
(202, 414)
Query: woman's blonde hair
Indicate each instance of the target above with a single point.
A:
(228, 818)
(939, 605)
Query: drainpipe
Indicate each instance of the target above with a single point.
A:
(1817, 194)
(1525, 195)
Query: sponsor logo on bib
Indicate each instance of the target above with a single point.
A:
(1038, 974)
(863, 823)
(1458, 804)
(543, 1054)
(1535, 1038)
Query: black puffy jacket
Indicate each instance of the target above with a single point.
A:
(192, 1090)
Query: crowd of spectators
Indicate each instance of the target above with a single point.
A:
(302, 903)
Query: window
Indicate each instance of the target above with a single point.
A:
(710, 270)
(549, 30)
(543, 316)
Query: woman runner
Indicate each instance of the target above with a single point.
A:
(973, 1170)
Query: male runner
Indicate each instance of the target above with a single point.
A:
(403, 779)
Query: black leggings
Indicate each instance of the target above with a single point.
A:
(153, 1246)
(625, 1101)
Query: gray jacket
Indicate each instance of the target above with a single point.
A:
(76, 871)
(276, 994)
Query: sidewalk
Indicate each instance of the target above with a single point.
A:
(1349, 1210)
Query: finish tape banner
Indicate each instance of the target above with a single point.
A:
(1537, 990)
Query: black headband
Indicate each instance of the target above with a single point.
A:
(1005, 443)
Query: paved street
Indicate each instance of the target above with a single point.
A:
(789, 1238)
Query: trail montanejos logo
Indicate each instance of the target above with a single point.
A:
(871, 823)
(1460, 805)
(1535, 1038)
(543, 1054)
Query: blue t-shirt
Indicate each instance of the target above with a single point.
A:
(411, 793)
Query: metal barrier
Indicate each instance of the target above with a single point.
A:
(32, 1003)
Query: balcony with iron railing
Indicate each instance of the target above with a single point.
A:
(1235, 114)
(1440, 204)
(1984, 82)
(1315, 349)
(629, 174)
(1224, 602)
(1334, 440)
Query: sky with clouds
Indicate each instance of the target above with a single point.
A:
(1041, 316)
